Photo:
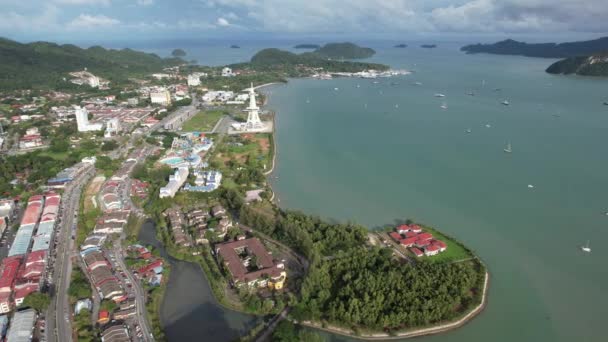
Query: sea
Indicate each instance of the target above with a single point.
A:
(377, 152)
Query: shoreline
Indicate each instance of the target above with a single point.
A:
(445, 327)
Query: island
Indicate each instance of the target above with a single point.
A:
(344, 51)
(307, 46)
(428, 46)
(178, 53)
(400, 46)
(594, 65)
(547, 50)
(235, 46)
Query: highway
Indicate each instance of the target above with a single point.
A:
(59, 326)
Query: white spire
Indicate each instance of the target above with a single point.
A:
(253, 119)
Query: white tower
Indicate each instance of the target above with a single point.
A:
(253, 119)
(82, 119)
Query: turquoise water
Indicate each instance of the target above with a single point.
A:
(352, 155)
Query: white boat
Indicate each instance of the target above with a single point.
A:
(396, 106)
(508, 148)
(530, 186)
(468, 130)
(375, 82)
(488, 125)
(336, 89)
(586, 248)
(471, 93)
(505, 102)
(358, 86)
(307, 101)
(439, 95)
(418, 83)
(444, 106)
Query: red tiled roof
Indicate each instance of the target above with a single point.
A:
(431, 248)
(150, 266)
(416, 251)
(440, 243)
(33, 210)
(10, 266)
(396, 236)
(403, 227)
(408, 241)
(21, 291)
(410, 234)
(424, 236)
(227, 252)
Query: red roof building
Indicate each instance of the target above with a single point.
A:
(422, 243)
(23, 290)
(415, 228)
(10, 267)
(33, 210)
(409, 242)
(431, 250)
(424, 236)
(396, 236)
(402, 228)
(410, 234)
(104, 317)
(37, 257)
(442, 246)
(150, 266)
(416, 251)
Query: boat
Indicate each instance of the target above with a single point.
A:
(497, 89)
(444, 106)
(508, 148)
(396, 106)
(307, 101)
(417, 83)
(471, 93)
(375, 82)
(530, 186)
(505, 102)
(439, 95)
(358, 86)
(336, 89)
(605, 103)
(586, 248)
(468, 130)
(488, 125)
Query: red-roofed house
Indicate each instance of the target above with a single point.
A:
(410, 234)
(424, 236)
(409, 242)
(150, 266)
(104, 317)
(395, 236)
(402, 229)
(23, 290)
(431, 250)
(416, 251)
(415, 228)
(37, 257)
(442, 246)
(422, 243)
(10, 266)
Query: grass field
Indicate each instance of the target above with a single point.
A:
(454, 252)
(204, 121)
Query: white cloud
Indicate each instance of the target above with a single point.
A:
(185, 24)
(222, 22)
(46, 20)
(145, 2)
(88, 21)
(83, 2)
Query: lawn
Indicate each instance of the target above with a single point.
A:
(455, 251)
(204, 121)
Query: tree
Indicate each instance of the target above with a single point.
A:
(178, 53)
(38, 301)
(109, 145)
(285, 332)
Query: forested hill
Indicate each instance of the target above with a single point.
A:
(344, 50)
(549, 50)
(595, 65)
(44, 64)
(292, 65)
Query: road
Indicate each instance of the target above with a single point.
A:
(140, 296)
(59, 326)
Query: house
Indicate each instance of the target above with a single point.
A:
(402, 229)
(431, 250)
(415, 228)
(162, 97)
(410, 234)
(218, 211)
(442, 246)
(424, 236)
(422, 243)
(104, 317)
(409, 242)
(416, 251)
(227, 72)
(395, 236)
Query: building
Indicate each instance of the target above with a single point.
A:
(31, 139)
(206, 181)
(250, 264)
(112, 128)
(162, 97)
(116, 333)
(194, 80)
(22, 326)
(82, 121)
(176, 181)
(24, 234)
(132, 101)
(8, 274)
(83, 304)
(227, 72)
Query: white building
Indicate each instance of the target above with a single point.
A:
(112, 128)
(176, 181)
(218, 96)
(82, 119)
(194, 79)
(227, 72)
(162, 97)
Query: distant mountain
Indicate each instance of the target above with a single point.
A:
(44, 64)
(428, 46)
(594, 65)
(291, 63)
(548, 50)
(235, 46)
(344, 50)
(307, 46)
(400, 46)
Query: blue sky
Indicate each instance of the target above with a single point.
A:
(108, 20)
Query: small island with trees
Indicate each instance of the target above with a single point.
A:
(428, 46)
(344, 51)
(233, 46)
(178, 53)
(400, 46)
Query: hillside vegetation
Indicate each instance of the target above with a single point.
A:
(596, 65)
(344, 50)
(549, 50)
(45, 65)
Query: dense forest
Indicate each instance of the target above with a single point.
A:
(596, 65)
(45, 65)
(352, 285)
(294, 65)
(549, 50)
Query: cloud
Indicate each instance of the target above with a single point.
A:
(87, 21)
(145, 2)
(83, 2)
(46, 20)
(222, 22)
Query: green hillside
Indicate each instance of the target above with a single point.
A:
(42, 65)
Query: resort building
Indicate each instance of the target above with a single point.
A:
(176, 181)
(206, 181)
(227, 72)
(194, 79)
(419, 243)
(250, 264)
(82, 121)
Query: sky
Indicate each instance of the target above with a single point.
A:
(77, 20)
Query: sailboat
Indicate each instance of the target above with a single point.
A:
(439, 95)
(468, 130)
(505, 102)
(444, 106)
(508, 148)
(586, 248)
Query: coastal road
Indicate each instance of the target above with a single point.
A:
(59, 326)
(140, 296)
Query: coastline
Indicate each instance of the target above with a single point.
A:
(441, 328)
(445, 327)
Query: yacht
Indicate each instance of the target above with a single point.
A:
(471, 93)
(505, 102)
(468, 130)
(418, 83)
(439, 95)
(508, 148)
(488, 125)
(444, 106)
(396, 106)
(358, 86)
(586, 248)
(307, 101)
(336, 89)
(530, 186)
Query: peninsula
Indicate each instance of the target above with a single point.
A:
(594, 65)
(428, 46)
(547, 50)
